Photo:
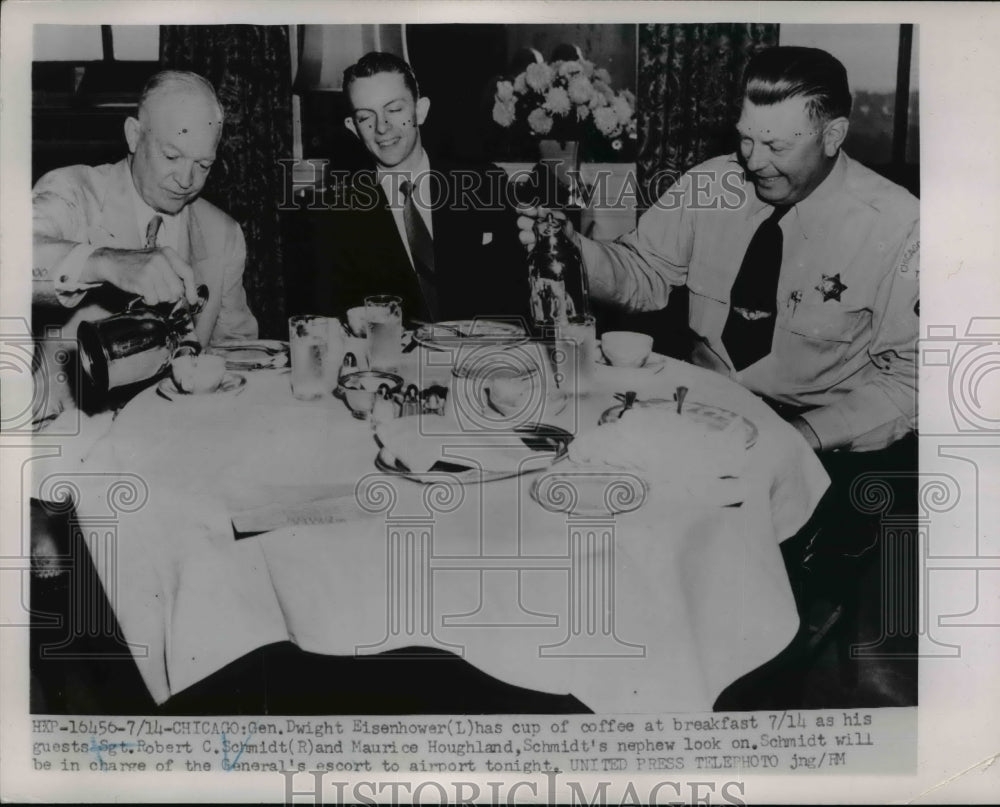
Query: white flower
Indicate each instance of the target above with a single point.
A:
(505, 91)
(539, 121)
(538, 76)
(557, 101)
(580, 89)
(622, 109)
(570, 69)
(602, 75)
(607, 122)
(588, 67)
(520, 84)
(503, 113)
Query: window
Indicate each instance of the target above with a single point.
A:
(881, 62)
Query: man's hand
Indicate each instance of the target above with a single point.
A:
(157, 275)
(530, 215)
(803, 428)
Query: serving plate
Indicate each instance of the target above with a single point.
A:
(449, 334)
(714, 417)
(231, 386)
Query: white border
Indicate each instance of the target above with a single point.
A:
(960, 158)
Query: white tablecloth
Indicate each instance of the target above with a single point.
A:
(651, 611)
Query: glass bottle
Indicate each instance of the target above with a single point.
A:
(555, 272)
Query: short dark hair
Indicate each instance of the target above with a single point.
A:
(378, 62)
(776, 74)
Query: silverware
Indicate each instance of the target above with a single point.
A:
(627, 404)
(679, 397)
(444, 326)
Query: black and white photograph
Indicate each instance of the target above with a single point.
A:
(533, 396)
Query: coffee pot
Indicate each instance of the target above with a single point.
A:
(139, 343)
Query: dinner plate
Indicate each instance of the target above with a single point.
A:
(255, 355)
(548, 441)
(450, 334)
(715, 417)
(232, 385)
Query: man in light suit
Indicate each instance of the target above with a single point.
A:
(105, 234)
(440, 235)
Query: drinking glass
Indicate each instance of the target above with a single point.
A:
(308, 346)
(384, 314)
(575, 353)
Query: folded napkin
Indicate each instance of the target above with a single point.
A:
(421, 441)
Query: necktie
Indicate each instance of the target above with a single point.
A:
(421, 248)
(153, 230)
(753, 301)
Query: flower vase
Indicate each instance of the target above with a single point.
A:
(564, 158)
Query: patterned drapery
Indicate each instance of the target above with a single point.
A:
(689, 93)
(250, 67)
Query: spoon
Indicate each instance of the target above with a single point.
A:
(679, 395)
(627, 403)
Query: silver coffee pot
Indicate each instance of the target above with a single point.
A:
(138, 343)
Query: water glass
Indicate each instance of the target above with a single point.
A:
(384, 314)
(308, 345)
(575, 354)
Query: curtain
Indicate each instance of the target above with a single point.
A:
(250, 67)
(689, 93)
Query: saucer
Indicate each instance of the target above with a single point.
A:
(232, 385)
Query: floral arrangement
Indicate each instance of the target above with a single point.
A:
(566, 100)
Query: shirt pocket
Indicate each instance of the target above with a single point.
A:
(824, 322)
(813, 345)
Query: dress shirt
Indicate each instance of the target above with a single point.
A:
(69, 289)
(846, 329)
(169, 234)
(392, 181)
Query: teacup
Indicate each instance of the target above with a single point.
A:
(626, 348)
(510, 390)
(198, 374)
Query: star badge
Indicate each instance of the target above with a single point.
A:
(831, 287)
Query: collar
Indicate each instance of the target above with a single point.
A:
(813, 211)
(143, 212)
(390, 179)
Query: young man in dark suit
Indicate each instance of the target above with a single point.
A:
(441, 235)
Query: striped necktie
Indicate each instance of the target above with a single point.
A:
(421, 248)
(153, 230)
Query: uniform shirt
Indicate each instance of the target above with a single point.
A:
(392, 181)
(846, 328)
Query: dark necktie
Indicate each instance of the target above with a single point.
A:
(753, 301)
(421, 248)
(152, 230)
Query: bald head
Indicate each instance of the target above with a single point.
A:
(173, 140)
